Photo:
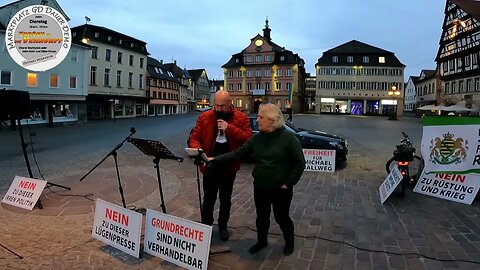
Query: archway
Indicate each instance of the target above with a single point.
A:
(256, 104)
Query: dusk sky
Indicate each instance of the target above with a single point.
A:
(204, 34)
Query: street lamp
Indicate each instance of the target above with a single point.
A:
(394, 93)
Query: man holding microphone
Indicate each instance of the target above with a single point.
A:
(219, 131)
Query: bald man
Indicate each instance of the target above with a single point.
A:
(219, 131)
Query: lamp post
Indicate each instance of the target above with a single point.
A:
(394, 93)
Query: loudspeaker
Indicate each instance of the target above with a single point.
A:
(14, 104)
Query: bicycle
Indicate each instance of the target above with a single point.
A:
(407, 162)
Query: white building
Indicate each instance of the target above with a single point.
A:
(410, 94)
(356, 77)
(117, 72)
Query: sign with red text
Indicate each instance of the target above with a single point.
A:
(38, 37)
(24, 192)
(177, 240)
(318, 160)
(391, 182)
(118, 227)
(460, 188)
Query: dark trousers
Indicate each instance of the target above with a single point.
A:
(216, 180)
(289, 112)
(280, 199)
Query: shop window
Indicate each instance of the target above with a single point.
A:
(6, 77)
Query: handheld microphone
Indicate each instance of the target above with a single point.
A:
(132, 130)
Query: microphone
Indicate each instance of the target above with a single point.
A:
(132, 130)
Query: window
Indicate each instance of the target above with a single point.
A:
(258, 73)
(95, 52)
(278, 86)
(249, 59)
(249, 86)
(381, 59)
(53, 80)
(267, 86)
(119, 78)
(31, 79)
(130, 79)
(268, 58)
(288, 72)
(477, 84)
(469, 85)
(119, 57)
(282, 58)
(239, 73)
(467, 61)
(451, 64)
(365, 59)
(73, 55)
(106, 77)
(97, 34)
(258, 58)
(289, 86)
(249, 73)
(109, 38)
(130, 62)
(140, 81)
(93, 75)
(268, 73)
(141, 62)
(475, 58)
(239, 87)
(239, 103)
(459, 63)
(230, 74)
(73, 82)
(350, 59)
(108, 54)
(335, 59)
(6, 77)
(279, 72)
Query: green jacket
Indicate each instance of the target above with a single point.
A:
(277, 155)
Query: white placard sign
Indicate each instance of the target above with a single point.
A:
(118, 227)
(179, 241)
(390, 183)
(318, 160)
(460, 188)
(24, 192)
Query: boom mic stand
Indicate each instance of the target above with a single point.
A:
(27, 162)
(197, 160)
(113, 153)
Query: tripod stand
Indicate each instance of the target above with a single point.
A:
(27, 162)
(158, 151)
(198, 157)
(114, 154)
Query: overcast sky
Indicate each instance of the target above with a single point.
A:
(204, 34)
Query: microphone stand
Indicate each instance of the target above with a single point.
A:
(197, 160)
(113, 153)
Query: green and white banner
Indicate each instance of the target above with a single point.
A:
(451, 145)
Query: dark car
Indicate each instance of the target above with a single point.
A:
(310, 139)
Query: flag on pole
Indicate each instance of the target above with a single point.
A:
(290, 98)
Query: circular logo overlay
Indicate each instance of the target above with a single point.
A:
(38, 38)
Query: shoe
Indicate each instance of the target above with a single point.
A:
(257, 247)
(224, 235)
(288, 249)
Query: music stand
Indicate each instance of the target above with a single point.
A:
(158, 151)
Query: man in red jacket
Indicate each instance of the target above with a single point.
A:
(219, 131)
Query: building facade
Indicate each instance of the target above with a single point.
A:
(186, 89)
(458, 57)
(163, 89)
(201, 87)
(265, 72)
(355, 78)
(117, 72)
(410, 103)
(57, 96)
(428, 89)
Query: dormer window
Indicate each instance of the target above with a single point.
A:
(365, 59)
(350, 59)
(131, 44)
(237, 60)
(335, 59)
(381, 59)
(109, 38)
(97, 34)
(282, 58)
(120, 41)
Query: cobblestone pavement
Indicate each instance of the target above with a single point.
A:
(332, 213)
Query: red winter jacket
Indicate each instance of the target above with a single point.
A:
(204, 133)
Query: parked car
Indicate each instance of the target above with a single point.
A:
(310, 139)
(203, 109)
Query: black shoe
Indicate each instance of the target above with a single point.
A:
(257, 247)
(288, 249)
(224, 235)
